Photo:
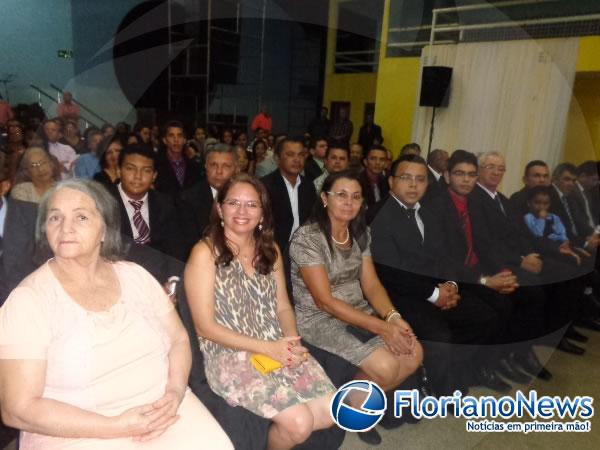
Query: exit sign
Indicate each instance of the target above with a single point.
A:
(65, 54)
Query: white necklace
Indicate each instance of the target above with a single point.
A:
(345, 241)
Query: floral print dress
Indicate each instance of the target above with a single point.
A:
(248, 305)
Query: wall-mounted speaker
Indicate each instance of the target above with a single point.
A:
(435, 86)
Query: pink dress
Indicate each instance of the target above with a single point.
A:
(105, 362)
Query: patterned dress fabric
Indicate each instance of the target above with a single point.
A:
(248, 305)
(309, 248)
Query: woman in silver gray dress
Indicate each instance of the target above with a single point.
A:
(341, 305)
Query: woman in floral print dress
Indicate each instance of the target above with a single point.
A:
(236, 290)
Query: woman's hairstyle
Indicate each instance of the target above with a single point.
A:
(103, 147)
(357, 226)
(23, 175)
(265, 252)
(112, 246)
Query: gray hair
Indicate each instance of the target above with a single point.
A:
(485, 155)
(222, 148)
(112, 247)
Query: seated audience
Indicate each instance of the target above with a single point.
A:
(17, 228)
(107, 359)
(38, 172)
(411, 262)
(109, 150)
(410, 149)
(340, 304)
(65, 154)
(537, 173)
(356, 157)
(175, 172)
(143, 132)
(149, 224)
(195, 204)
(72, 137)
(336, 160)
(88, 165)
(235, 286)
(292, 195)
(315, 163)
(373, 181)
(437, 163)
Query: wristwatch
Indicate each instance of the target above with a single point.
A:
(483, 280)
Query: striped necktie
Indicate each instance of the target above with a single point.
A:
(139, 223)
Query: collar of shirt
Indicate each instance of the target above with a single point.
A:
(416, 207)
(490, 193)
(462, 204)
(320, 163)
(214, 192)
(434, 172)
(289, 185)
(560, 194)
(126, 198)
(2, 215)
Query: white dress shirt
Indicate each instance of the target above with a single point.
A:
(434, 172)
(293, 195)
(214, 192)
(131, 210)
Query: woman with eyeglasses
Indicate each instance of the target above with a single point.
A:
(340, 303)
(236, 290)
(38, 172)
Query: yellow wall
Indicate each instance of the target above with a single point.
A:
(583, 127)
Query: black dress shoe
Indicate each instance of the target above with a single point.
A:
(511, 372)
(590, 324)
(529, 362)
(569, 347)
(488, 378)
(573, 334)
(371, 437)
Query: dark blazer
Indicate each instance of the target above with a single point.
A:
(194, 206)
(282, 209)
(503, 238)
(166, 181)
(434, 187)
(370, 203)
(578, 199)
(102, 177)
(312, 169)
(403, 260)
(17, 245)
(518, 201)
(163, 256)
(578, 229)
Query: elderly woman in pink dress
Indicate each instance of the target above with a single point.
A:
(92, 352)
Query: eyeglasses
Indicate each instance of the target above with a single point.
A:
(500, 169)
(461, 174)
(38, 164)
(406, 178)
(343, 196)
(252, 205)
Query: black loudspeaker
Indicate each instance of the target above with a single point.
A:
(435, 86)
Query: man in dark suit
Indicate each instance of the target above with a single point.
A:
(174, 171)
(315, 163)
(17, 237)
(588, 182)
(195, 204)
(149, 222)
(437, 163)
(292, 195)
(409, 259)
(373, 181)
(507, 244)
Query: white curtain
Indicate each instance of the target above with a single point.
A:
(512, 97)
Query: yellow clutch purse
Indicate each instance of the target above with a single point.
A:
(264, 364)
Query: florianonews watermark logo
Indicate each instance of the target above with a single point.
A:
(371, 410)
(360, 405)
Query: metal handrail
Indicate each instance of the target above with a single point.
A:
(81, 105)
(45, 94)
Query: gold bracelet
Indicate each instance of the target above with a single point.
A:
(389, 313)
